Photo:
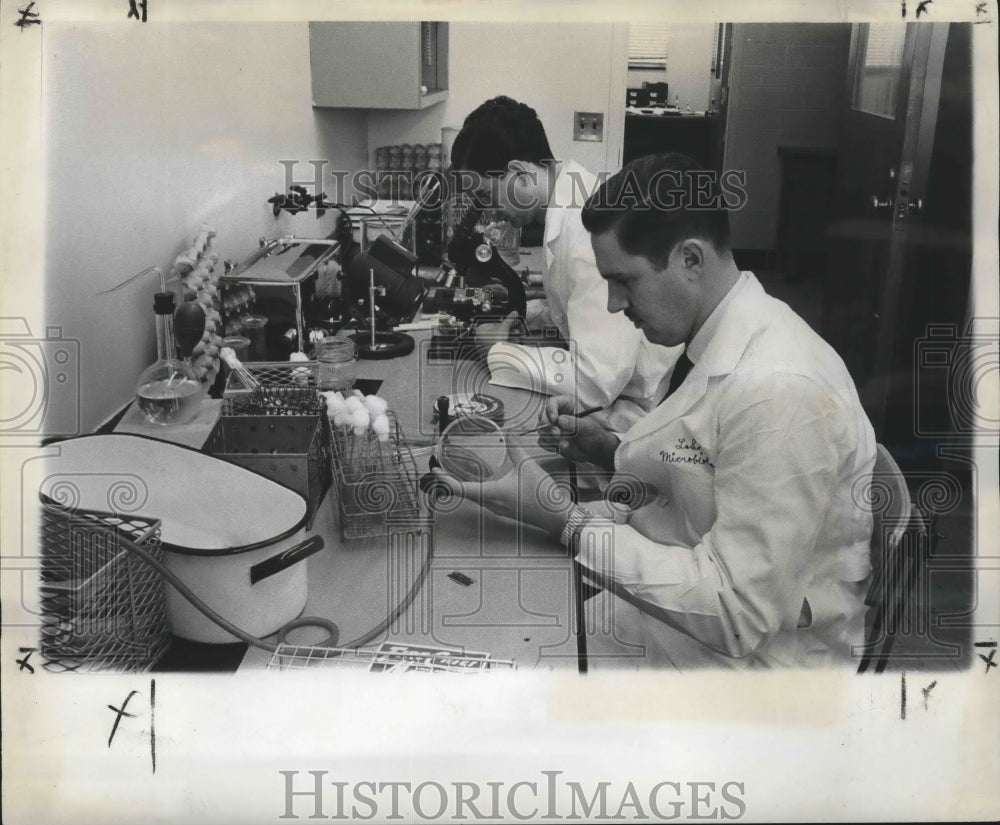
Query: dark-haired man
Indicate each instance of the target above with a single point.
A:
(751, 544)
(504, 145)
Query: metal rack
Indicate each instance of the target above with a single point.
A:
(383, 659)
(373, 481)
(276, 375)
(287, 447)
(278, 428)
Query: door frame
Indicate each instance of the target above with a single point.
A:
(614, 133)
(921, 82)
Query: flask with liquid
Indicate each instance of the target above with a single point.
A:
(168, 391)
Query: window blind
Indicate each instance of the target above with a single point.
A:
(884, 46)
(647, 46)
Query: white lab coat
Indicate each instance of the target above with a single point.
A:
(753, 544)
(610, 363)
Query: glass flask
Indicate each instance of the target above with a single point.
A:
(168, 391)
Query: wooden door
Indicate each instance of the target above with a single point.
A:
(896, 303)
(878, 300)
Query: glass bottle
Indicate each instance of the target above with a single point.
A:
(168, 391)
(337, 363)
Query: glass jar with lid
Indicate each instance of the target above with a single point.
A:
(338, 363)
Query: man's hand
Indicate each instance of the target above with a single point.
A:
(526, 493)
(489, 334)
(578, 439)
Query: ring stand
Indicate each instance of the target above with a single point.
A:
(382, 345)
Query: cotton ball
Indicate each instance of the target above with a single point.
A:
(298, 356)
(353, 403)
(360, 419)
(334, 402)
(341, 417)
(381, 427)
(375, 404)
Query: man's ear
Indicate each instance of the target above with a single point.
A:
(693, 255)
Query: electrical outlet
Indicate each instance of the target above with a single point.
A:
(588, 126)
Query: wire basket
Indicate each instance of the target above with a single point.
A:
(301, 375)
(373, 481)
(103, 607)
(293, 450)
(276, 400)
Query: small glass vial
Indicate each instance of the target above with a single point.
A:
(338, 363)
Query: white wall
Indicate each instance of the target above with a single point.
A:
(151, 131)
(786, 87)
(556, 68)
(689, 66)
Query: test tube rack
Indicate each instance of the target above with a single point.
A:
(373, 480)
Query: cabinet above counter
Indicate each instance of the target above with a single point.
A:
(389, 65)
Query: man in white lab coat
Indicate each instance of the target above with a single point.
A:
(748, 541)
(611, 364)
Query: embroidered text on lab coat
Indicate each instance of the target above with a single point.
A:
(686, 452)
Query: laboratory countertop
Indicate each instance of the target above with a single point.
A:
(514, 602)
(518, 606)
(514, 597)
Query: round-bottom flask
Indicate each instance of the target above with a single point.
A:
(168, 392)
